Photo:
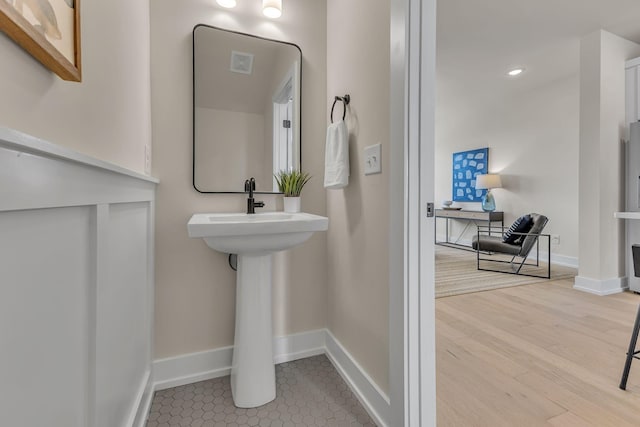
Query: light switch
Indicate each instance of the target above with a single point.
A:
(372, 160)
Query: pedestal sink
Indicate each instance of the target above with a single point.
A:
(254, 237)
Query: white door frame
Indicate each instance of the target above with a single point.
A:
(412, 308)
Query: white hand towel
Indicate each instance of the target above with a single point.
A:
(336, 156)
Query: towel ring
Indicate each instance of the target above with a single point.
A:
(345, 101)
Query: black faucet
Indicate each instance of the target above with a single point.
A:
(250, 187)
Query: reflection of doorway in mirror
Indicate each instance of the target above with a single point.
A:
(282, 139)
(283, 118)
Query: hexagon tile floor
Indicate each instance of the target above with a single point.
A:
(309, 392)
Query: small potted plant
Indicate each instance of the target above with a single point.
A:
(290, 184)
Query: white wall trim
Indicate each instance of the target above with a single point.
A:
(204, 365)
(601, 287)
(190, 368)
(142, 405)
(54, 190)
(299, 346)
(19, 141)
(374, 400)
(558, 259)
(632, 63)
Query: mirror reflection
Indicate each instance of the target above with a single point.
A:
(246, 110)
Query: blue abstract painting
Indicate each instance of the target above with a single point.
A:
(466, 166)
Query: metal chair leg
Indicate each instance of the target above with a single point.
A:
(632, 351)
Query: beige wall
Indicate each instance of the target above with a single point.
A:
(358, 240)
(602, 129)
(107, 115)
(533, 145)
(195, 288)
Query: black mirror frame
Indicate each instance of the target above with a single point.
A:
(193, 105)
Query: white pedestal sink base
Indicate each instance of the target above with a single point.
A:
(253, 377)
(254, 237)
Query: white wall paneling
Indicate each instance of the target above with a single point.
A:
(76, 293)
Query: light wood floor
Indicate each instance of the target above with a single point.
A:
(535, 355)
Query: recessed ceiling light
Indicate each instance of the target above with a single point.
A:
(515, 72)
(227, 3)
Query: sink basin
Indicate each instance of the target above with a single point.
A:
(240, 233)
(254, 237)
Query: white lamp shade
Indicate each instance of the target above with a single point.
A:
(488, 181)
(272, 8)
(227, 3)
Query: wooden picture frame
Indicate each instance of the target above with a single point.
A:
(33, 38)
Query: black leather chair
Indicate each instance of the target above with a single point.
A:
(489, 245)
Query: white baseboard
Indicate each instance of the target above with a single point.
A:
(567, 261)
(140, 412)
(299, 346)
(194, 367)
(204, 365)
(556, 259)
(374, 400)
(191, 368)
(601, 287)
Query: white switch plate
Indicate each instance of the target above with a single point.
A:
(372, 160)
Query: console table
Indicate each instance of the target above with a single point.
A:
(471, 217)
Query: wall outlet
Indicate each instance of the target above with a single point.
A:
(147, 159)
(372, 160)
(555, 239)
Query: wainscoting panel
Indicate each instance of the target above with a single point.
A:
(76, 288)
(123, 342)
(46, 266)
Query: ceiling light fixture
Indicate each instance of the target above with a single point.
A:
(227, 3)
(272, 8)
(515, 72)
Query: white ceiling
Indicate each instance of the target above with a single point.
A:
(478, 41)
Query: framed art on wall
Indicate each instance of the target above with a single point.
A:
(49, 30)
(466, 166)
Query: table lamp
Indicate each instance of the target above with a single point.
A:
(488, 182)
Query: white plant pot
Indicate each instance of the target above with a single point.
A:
(292, 204)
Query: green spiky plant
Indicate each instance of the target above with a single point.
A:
(291, 183)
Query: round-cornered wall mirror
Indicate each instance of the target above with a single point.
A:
(246, 110)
